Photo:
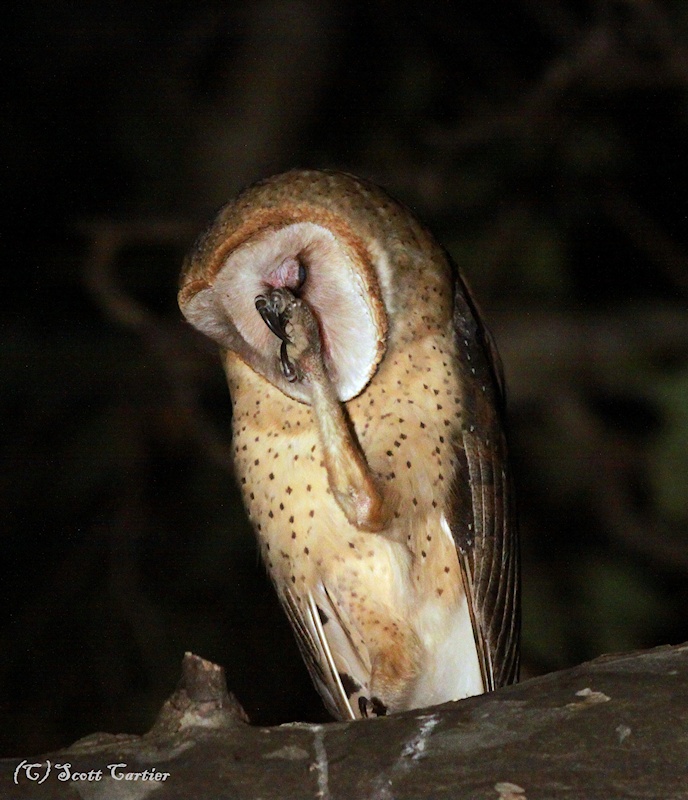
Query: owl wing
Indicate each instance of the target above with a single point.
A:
(483, 520)
(338, 665)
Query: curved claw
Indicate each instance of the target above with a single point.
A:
(288, 366)
(366, 705)
(271, 316)
(271, 309)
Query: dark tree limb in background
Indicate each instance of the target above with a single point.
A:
(556, 361)
(612, 728)
(169, 342)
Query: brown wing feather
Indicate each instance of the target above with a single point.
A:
(483, 522)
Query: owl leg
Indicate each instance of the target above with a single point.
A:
(396, 658)
(395, 671)
(351, 480)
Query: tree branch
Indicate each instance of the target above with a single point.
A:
(612, 728)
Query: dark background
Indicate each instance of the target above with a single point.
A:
(546, 145)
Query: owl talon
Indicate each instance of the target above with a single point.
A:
(292, 321)
(289, 369)
(366, 705)
(271, 309)
(267, 309)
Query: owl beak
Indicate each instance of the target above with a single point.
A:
(272, 317)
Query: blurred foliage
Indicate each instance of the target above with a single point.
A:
(543, 142)
(668, 465)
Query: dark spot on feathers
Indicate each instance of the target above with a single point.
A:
(348, 683)
(323, 616)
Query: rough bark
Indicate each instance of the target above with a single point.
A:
(616, 727)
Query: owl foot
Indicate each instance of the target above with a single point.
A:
(271, 309)
(372, 704)
(292, 321)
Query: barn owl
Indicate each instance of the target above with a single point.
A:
(368, 439)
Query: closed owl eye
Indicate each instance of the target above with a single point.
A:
(290, 274)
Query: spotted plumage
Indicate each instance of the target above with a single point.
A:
(368, 439)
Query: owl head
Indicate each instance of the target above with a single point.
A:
(334, 241)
